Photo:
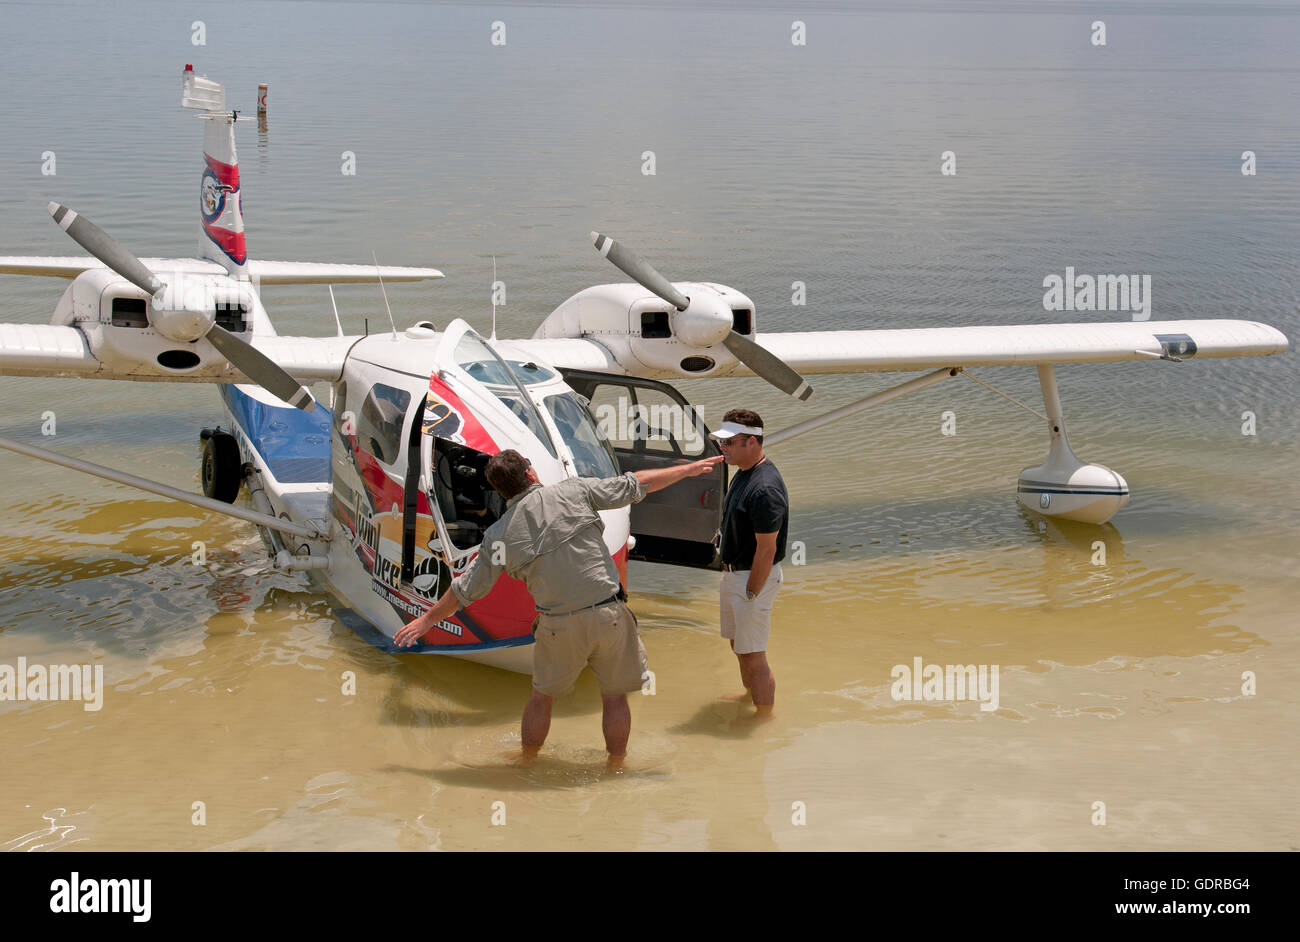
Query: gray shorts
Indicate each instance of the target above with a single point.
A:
(604, 637)
(744, 621)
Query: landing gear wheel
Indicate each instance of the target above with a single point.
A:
(222, 471)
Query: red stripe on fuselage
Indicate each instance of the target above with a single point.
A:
(472, 429)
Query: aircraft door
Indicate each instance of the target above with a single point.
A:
(470, 380)
(651, 425)
(453, 450)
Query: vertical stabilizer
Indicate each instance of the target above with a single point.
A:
(221, 217)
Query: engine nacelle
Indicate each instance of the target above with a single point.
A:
(133, 334)
(644, 331)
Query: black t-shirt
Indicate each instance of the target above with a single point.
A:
(756, 503)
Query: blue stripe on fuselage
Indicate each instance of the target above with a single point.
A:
(367, 632)
(294, 444)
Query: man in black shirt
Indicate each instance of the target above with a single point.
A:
(755, 519)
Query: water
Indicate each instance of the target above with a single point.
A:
(1120, 683)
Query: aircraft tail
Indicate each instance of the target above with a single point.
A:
(221, 216)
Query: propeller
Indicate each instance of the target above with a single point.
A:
(768, 365)
(764, 363)
(243, 356)
(639, 271)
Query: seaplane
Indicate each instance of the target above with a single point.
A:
(378, 495)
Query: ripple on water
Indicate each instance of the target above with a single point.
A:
(61, 830)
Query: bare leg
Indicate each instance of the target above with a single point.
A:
(744, 679)
(616, 722)
(536, 724)
(762, 682)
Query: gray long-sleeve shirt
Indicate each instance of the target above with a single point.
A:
(551, 537)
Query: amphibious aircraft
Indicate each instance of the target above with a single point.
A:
(381, 497)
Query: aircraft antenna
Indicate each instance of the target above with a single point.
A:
(494, 299)
(336, 311)
(385, 292)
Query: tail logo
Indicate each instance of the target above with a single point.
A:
(213, 196)
(223, 220)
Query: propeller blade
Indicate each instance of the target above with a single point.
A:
(768, 366)
(247, 359)
(639, 271)
(260, 369)
(105, 248)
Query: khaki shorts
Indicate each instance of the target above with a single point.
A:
(743, 621)
(604, 637)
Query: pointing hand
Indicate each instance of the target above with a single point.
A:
(702, 467)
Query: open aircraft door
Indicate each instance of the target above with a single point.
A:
(651, 425)
(468, 382)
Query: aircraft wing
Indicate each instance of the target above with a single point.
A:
(328, 273)
(906, 350)
(70, 266)
(853, 351)
(45, 350)
(49, 350)
(308, 359)
(579, 353)
(261, 270)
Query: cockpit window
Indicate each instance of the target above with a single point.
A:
(530, 373)
(379, 427)
(479, 360)
(591, 455)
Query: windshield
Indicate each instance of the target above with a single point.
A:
(530, 373)
(478, 360)
(591, 456)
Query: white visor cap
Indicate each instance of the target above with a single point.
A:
(734, 428)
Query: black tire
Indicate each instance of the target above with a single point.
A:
(221, 469)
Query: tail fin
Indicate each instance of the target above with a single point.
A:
(221, 216)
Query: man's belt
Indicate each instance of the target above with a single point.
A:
(619, 596)
(726, 567)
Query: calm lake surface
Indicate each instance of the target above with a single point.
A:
(1120, 683)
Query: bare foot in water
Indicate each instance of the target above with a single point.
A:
(520, 758)
(615, 763)
(735, 697)
(760, 715)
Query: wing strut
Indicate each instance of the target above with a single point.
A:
(875, 399)
(991, 388)
(164, 490)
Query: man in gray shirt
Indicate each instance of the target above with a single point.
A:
(552, 538)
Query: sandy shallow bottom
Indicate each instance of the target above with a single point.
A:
(1119, 684)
